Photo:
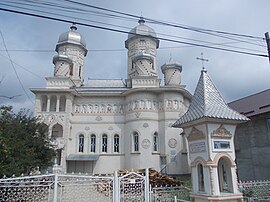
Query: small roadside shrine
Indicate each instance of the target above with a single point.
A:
(209, 125)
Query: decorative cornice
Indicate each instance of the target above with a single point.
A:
(221, 133)
(195, 134)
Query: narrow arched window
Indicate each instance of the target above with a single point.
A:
(155, 142)
(53, 101)
(44, 103)
(135, 141)
(57, 131)
(200, 177)
(81, 142)
(93, 143)
(104, 143)
(116, 143)
(62, 104)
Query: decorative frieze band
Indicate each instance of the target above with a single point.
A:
(135, 105)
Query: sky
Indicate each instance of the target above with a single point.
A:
(235, 75)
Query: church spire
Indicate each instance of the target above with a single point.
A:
(208, 103)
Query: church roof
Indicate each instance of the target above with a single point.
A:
(208, 103)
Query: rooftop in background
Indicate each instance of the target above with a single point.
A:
(252, 105)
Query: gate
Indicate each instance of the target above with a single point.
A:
(133, 187)
(31, 188)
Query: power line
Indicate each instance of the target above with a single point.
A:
(150, 20)
(163, 22)
(126, 32)
(17, 76)
(22, 66)
(200, 30)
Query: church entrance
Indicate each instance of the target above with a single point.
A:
(80, 167)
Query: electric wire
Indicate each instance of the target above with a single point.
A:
(13, 67)
(202, 30)
(126, 32)
(158, 21)
(26, 69)
(155, 21)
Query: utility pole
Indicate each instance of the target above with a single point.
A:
(268, 44)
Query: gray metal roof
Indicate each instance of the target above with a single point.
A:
(142, 29)
(72, 37)
(252, 105)
(110, 83)
(208, 103)
(82, 157)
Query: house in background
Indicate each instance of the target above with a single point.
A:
(252, 139)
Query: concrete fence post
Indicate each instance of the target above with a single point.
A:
(55, 187)
(116, 187)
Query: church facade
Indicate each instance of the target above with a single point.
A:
(99, 126)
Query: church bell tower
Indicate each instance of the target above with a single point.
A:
(69, 61)
(142, 44)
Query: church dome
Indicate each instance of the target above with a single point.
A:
(142, 29)
(71, 37)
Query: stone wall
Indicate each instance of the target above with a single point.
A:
(252, 145)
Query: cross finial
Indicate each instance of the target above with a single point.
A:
(203, 60)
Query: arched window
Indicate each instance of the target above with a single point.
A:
(104, 143)
(200, 177)
(57, 131)
(62, 106)
(155, 142)
(53, 101)
(116, 143)
(224, 176)
(93, 143)
(43, 103)
(81, 142)
(135, 141)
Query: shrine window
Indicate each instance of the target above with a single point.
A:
(81, 143)
(224, 175)
(93, 143)
(104, 143)
(200, 177)
(116, 143)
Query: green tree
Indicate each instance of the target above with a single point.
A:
(24, 143)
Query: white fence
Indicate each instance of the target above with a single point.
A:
(67, 188)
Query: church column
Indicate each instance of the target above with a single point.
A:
(57, 103)
(48, 103)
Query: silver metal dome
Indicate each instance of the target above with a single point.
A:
(142, 29)
(72, 37)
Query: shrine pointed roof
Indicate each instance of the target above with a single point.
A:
(208, 103)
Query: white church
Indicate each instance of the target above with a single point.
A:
(100, 126)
